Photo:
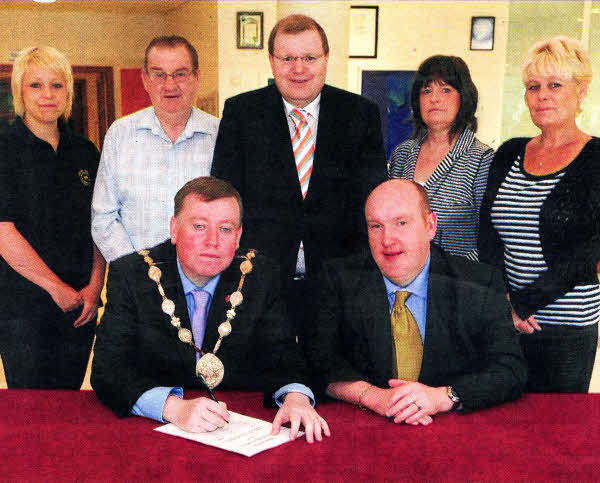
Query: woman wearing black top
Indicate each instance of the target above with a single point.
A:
(51, 274)
(540, 221)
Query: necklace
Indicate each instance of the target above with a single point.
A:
(209, 367)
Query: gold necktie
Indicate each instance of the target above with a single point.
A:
(408, 346)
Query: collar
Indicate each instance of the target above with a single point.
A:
(189, 286)
(417, 287)
(311, 108)
(28, 137)
(463, 142)
(148, 120)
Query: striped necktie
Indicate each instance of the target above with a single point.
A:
(304, 147)
(408, 345)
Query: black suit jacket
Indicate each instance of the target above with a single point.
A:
(470, 341)
(137, 348)
(254, 152)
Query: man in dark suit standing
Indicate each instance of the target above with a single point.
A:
(304, 156)
(409, 331)
(169, 305)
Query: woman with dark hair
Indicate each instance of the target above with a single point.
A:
(444, 155)
(540, 221)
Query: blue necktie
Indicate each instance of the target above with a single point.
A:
(201, 300)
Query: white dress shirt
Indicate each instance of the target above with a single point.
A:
(140, 172)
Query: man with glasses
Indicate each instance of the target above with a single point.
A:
(303, 155)
(147, 156)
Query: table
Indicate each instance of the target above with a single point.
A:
(68, 435)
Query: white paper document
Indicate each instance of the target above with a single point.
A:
(243, 435)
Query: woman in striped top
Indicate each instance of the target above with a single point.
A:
(540, 220)
(444, 155)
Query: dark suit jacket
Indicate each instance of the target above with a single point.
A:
(137, 348)
(470, 341)
(254, 152)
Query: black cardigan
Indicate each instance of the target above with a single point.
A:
(569, 226)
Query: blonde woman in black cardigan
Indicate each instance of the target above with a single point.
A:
(540, 221)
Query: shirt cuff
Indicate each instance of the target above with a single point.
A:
(151, 403)
(294, 387)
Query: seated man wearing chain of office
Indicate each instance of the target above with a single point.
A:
(155, 329)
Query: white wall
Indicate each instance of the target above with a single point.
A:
(411, 31)
(242, 70)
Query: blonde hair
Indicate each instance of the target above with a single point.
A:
(563, 56)
(42, 56)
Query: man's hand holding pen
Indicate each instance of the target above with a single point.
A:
(196, 415)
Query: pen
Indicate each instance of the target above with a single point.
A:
(211, 394)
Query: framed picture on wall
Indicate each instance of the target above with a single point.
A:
(249, 30)
(364, 22)
(482, 33)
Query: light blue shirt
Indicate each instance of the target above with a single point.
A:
(140, 171)
(151, 403)
(189, 287)
(417, 302)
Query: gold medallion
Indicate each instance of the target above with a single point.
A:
(168, 307)
(224, 329)
(185, 335)
(154, 273)
(211, 368)
(236, 298)
(246, 266)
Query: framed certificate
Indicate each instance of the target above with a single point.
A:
(249, 30)
(363, 32)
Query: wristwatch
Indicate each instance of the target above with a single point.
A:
(454, 397)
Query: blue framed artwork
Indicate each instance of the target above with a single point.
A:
(390, 90)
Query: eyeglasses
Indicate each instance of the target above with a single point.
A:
(160, 77)
(306, 59)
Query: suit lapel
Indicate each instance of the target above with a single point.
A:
(326, 141)
(219, 305)
(441, 312)
(278, 144)
(166, 260)
(374, 312)
(440, 173)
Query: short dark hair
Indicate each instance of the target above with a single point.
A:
(295, 24)
(452, 70)
(207, 188)
(170, 42)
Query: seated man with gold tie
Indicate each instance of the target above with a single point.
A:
(189, 313)
(452, 346)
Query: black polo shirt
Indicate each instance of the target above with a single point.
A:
(47, 195)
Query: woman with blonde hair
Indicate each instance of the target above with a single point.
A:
(51, 274)
(540, 221)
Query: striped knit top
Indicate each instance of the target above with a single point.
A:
(515, 214)
(455, 188)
